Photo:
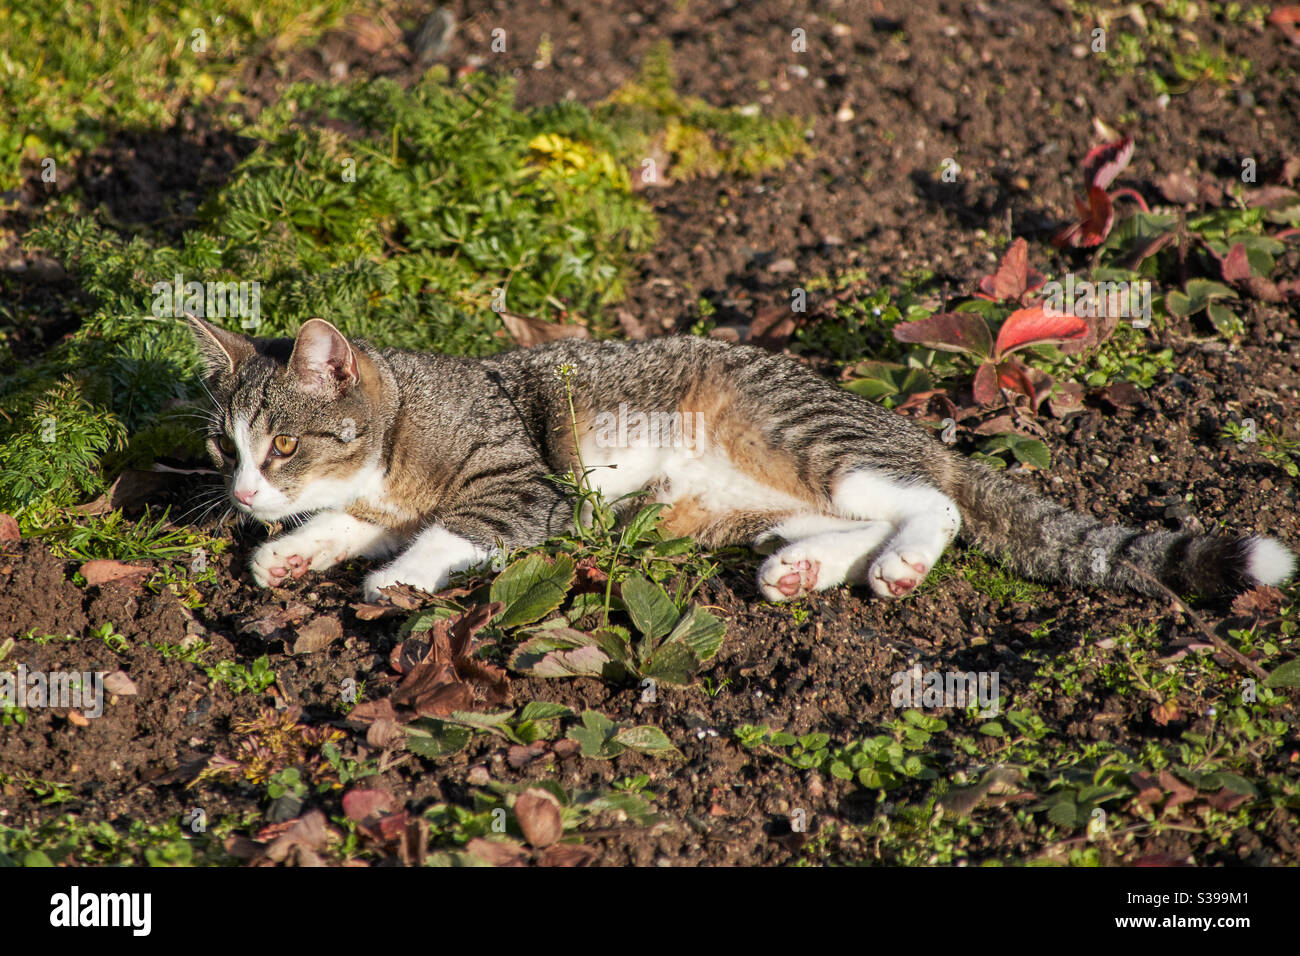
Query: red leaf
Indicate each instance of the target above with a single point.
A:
(1033, 326)
(1285, 19)
(948, 331)
(1235, 265)
(986, 384)
(1014, 278)
(1013, 375)
(1103, 163)
(1096, 218)
(361, 805)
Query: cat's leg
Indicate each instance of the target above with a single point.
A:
(427, 563)
(324, 541)
(926, 518)
(514, 513)
(822, 560)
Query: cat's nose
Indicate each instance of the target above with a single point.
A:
(246, 497)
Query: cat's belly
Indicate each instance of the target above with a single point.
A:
(703, 487)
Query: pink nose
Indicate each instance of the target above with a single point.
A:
(246, 497)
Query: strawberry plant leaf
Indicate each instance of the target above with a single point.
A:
(531, 588)
(1033, 326)
(949, 332)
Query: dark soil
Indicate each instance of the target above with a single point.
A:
(995, 87)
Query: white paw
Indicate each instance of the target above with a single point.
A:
(895, 573)
(293, 556)
(421, 575)
(788, 574)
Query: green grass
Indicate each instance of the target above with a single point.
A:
(75, 72)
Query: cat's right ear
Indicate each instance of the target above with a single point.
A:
(222, 351)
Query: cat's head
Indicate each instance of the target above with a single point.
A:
(297, 427)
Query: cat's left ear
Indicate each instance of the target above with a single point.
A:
(322, 359)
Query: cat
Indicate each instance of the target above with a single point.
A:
(435, 461)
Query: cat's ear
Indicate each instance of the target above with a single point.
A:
(322, 359)
(222, 351)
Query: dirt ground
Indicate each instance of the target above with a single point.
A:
(894, 89)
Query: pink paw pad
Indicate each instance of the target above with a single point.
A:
(801, 580)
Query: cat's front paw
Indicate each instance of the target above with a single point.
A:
(788, 574)
(292, 556)
(896, 573)
(419, 575)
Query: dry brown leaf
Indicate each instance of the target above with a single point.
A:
(106, 572)
(1179, 792)
(121, 685)
(519, 757)
(498, 852)
(772, 327)
(9, 530)
(366, 806)
(528, 331)
(317, 634)
(538, 813)
(1164, 714)
(567, 854)
(385, 734)
(268, 619)
(1263, 600)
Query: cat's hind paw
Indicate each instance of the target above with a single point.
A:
(788, 574)
(894, 573)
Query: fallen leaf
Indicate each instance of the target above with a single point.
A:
(317, 634)
(538, 813)
(1164, 714)
(121, 685)
(1262, 600)
(9, 530)
(373, 710)
(519, 757)
(372, 612)
(528, 331)
(365, 806)
(106, 572)
(1178, 187)
(1122, 395)
(301, 838)
(567, 854)
(498, 852)
(270, 618)
(132, 489)
(1179, 792)
(772, 327)
(384, 734)
(1225, 799)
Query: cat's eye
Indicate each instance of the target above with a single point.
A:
(284, 445)
(227, 446)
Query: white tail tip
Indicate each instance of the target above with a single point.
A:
(1269, 562)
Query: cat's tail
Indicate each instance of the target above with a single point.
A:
(1046, 540)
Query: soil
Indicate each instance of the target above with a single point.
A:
(893, 90)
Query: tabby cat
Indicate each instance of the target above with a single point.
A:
(435, 461)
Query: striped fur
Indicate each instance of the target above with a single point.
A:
(763, 451)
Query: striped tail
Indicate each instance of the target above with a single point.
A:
(1045, 540)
